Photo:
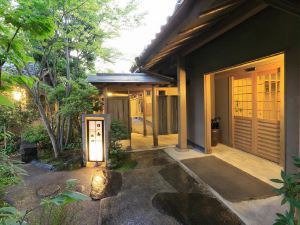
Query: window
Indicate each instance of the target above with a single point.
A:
(268, 95)
(242, 97)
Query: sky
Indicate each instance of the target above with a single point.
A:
(132, 42)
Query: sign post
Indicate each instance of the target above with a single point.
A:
(95, 139)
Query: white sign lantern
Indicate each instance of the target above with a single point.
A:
(95, 130)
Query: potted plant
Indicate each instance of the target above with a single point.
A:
(215, 131)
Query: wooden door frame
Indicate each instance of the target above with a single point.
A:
(209, 99)
(209, 95)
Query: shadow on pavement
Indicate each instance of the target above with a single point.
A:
(194, 209)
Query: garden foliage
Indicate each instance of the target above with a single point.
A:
(290, 191)
(118, 132)
(11, 171)
(36, 134)
(62, 40)
(57, 210)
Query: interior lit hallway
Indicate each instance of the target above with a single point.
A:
(141, 142)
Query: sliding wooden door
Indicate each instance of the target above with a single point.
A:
(268, 114)
(257, 112)
(243, 113)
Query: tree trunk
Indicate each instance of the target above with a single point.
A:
(61, 132)
(5, 137)
(50, 132)
(69, 130)
(68, 87)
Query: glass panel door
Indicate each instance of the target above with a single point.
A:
(243, 112)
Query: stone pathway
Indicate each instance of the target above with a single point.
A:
(158, 191)
(26, 195)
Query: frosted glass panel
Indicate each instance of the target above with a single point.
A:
(95, 140)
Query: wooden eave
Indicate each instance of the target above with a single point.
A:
(202, 22)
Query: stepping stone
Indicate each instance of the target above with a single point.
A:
(48, 191)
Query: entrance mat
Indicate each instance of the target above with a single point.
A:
(230, 182)
(194, 209)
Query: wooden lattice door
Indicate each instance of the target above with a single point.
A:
(256, 113)
(243, 113)
(268, 114)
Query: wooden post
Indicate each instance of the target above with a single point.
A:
(182, 120)
(105, 110)
(144, 113)
(129, 121)
(207, 112)
(154, 117)
(169, 112)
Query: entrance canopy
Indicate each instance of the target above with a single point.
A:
(146, 103)
(105, 79)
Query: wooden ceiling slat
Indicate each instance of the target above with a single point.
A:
(193, 29)
(218, 9)
(229, 23)
(285, 6)
(213, 33)
(192, 32)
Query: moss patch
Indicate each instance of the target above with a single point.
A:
(127, 165)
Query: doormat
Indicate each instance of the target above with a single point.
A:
(230, 182)
(194, 209)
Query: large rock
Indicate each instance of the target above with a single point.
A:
(99, 183)
(28, 152)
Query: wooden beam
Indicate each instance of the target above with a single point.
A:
(154, 117)
(285, 6)
(218, 9)
(182, 119)
(227, 24)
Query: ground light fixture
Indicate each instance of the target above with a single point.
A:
(99, 183)
(17, 95)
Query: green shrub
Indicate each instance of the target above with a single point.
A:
(10, 171)
(290, 191)
(57, 210)
(12, 142)
(36, 134)
(118, 132)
